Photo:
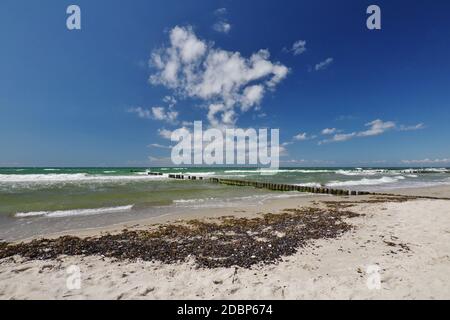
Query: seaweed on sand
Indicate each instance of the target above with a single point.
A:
(225, 242)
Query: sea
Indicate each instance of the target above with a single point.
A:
(38, 201)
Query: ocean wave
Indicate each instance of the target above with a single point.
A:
(199, 173)
(365, 182)
(309, 184)
(75, 177)
(233, 201)
(265, 170)
(71, 213)
(241, 171)
(359, 172)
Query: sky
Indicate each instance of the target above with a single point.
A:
(110, 93)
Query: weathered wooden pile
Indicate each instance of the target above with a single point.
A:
(154, 173)
(271, 186)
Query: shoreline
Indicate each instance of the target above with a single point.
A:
(243, 211)
(411, 252)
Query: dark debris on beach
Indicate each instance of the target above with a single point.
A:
(224, 242)
(227, 242)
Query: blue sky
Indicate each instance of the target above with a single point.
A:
(83, 98)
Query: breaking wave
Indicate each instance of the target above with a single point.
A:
(71, 213)
(75, 177)
(365, 182)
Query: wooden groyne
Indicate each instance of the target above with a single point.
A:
(271, 186)
(286, 187)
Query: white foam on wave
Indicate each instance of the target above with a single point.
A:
(358, 172)
(436, 169)
(309, 184)
(233, 201)
(73, 177)
(71, 213)
(365, 182)
(269, 170)
(199, 173)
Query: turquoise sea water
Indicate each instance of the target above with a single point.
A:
(39, 200)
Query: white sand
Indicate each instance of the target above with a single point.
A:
(327, 269)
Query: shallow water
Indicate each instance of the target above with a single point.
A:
(41, 200)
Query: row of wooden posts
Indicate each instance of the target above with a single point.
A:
(271, 186)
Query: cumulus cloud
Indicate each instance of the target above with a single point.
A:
(160, 113)
(329, 131)
(164, 133)
(377, 127)
(301, 136)
(170, 101)
(141, 112)
(224, 80)
(324, 64)
(222, 26)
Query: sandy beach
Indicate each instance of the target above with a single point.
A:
(394, 250)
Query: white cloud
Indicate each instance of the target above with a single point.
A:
(377, 127)
(302, 136)
(221, 11)
(324, 64)
(160, 113)
(329, 131)
(298, 47)
(171, 101)
(418, 126)
(194, 69)
(187, 123)
(427, 161)
(252, 96)
(160, 146)
(166, 134)
(222, 26)
(343, 137)
(141, 112)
